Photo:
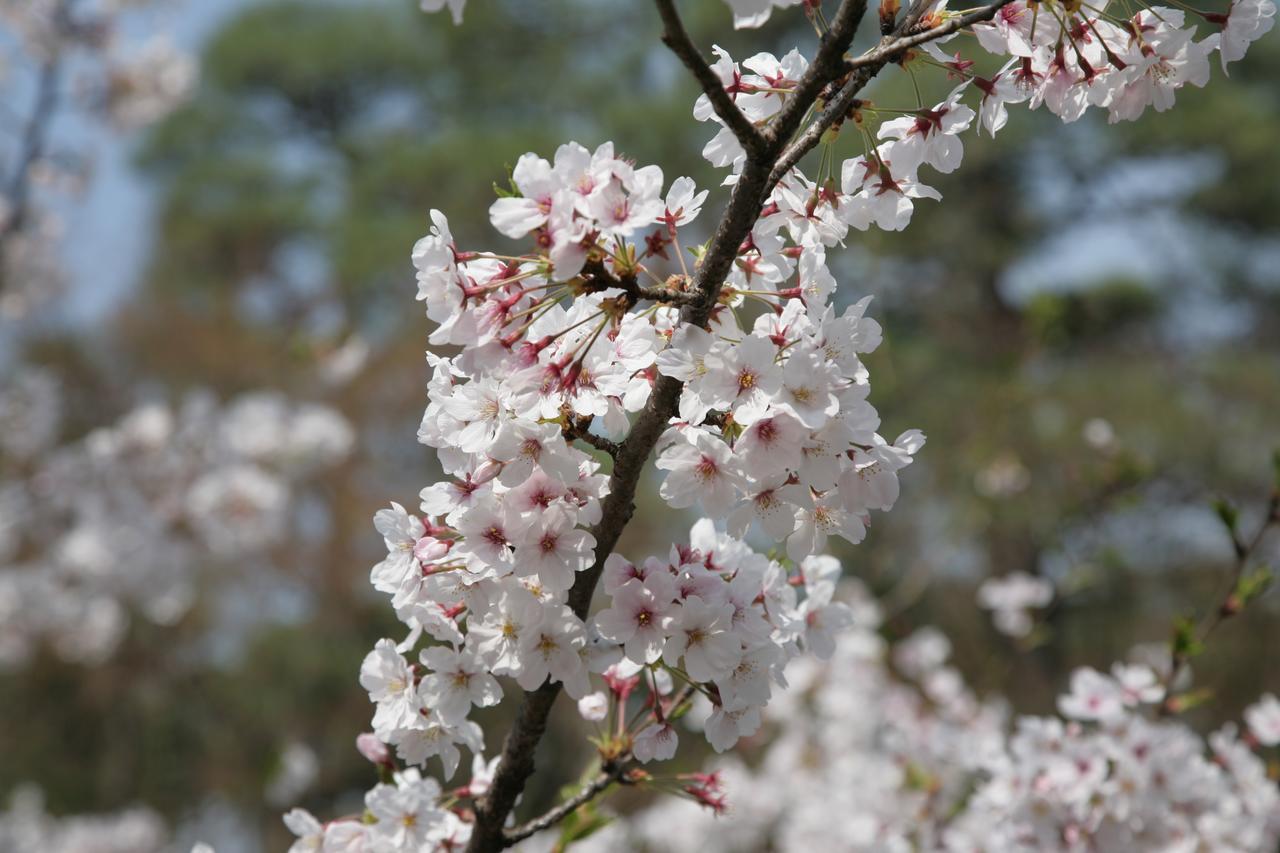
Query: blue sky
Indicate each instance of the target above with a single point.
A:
(108, 230)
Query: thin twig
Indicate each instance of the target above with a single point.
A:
(581, 429)
(1228, 606)
(599, 442)
(677, 39)
(861, 70)
(599, 277)
(616, 772)
(665, 295)
(889, 49)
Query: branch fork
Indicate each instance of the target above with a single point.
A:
(771, 153)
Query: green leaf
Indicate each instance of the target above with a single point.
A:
(1253, 584)
(1185, 642)
(1229, 514)
(586, 821)
(1186, 701)
(511, 190)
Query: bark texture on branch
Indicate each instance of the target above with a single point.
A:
(676, 38)
(597, 786)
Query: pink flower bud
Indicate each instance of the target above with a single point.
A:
(487, 471)
(373, 749)
(428, 549)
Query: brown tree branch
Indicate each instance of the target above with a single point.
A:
(665, 295)
(861, 70)
(613, 770)
(760, 173)
(598, 276)
(827, 65)
(890, 48)
(616, 772)
(675, 37)
(580, 428)
(834, 111)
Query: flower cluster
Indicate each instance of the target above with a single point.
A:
(877, 746)
(122, 518)
(603, 324)
(1263, 720)
(723, 619)
(562, 345)
(1062, 56)
(146, 82)
(776, 426)
(1109, 777)
(405, 813)
(927, 766)
(717, 615)
(714, 617)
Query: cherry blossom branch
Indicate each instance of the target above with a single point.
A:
(890, 48)
(614, 772)
(581, 429)
(616, 769)
(861, 70)
(517, 761)
(827, 65)
(598, 274)
(544, 642)
(677, 39)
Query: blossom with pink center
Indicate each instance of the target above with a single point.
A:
(639, 618)
(656, 742)
(771, 446)
(1093, 696)
(702, 469)
(555, 550)
(457, 681)
(702, 633)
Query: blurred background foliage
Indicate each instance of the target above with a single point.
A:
(1087, 328)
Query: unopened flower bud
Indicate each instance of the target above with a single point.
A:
(487, 471)
(373, 749)
(593, 706)
(428, 549)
